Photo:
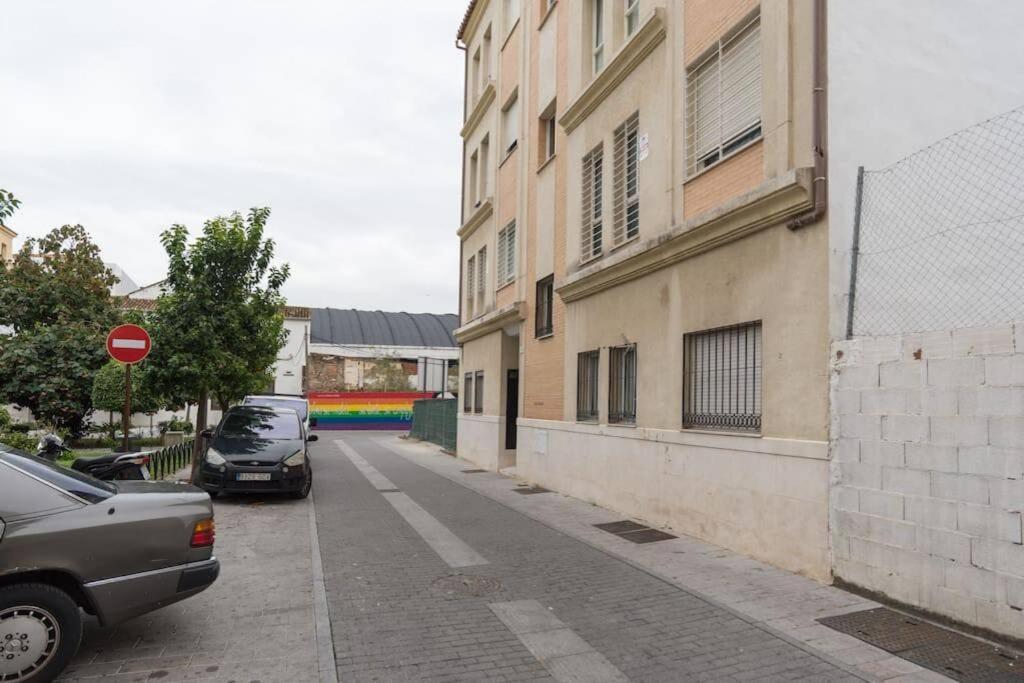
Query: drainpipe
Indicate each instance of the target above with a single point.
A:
(819, 187)
(459, 45)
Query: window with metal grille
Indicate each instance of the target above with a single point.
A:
(722, 378)
(622, 384)
(481, 278)
(470, 286)
(632, 16)
(590, 237)
(626, 216)
(723, 93)
(467, 394)
(587, 369)
(545, 297)
(507, 254)
(478, 393)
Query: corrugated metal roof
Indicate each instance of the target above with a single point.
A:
(377, 328)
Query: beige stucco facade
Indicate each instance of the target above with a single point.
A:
(713, 249)
(6, 243)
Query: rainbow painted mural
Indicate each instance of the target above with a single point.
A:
(364, 410)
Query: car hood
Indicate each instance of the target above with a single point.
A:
(262, 450)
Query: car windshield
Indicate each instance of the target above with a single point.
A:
(261, 424)
(297, 405)
(87, 488)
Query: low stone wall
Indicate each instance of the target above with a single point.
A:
(928, 471)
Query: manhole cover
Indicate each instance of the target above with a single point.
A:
(465, 584)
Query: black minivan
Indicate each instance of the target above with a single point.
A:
(257, 449)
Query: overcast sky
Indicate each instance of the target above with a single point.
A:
(342, 116)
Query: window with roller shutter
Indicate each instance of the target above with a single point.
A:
(590, 236)
(626, 215)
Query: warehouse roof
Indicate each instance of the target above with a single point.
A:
(377, 328)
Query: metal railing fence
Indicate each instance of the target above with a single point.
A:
(167, 461)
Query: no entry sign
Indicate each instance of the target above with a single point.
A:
(128, 343)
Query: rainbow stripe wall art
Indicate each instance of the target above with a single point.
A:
(364, 410)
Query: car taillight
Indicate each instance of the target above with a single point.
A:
(203, 534)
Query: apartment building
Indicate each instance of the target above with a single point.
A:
(6, 243)
(644, 262)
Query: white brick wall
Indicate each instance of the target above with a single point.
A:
(928, 471)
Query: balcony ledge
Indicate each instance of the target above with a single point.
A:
(628, 58)
(491, 322)
(479, 109)
(476, 219)
(773, 202)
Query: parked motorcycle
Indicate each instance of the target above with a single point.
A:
(51, 447)
(116, 466)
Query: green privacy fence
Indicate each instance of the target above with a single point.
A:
(434, 420)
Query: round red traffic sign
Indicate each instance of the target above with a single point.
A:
(128, 343)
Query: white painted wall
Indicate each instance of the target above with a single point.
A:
(928, 471)
(902, 75)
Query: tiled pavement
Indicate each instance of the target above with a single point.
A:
(254, 624)
(670, 611)
(392, 622)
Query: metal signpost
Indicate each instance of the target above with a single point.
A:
(128, 344)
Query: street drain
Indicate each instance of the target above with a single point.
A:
(932, 647)
(637, 533)
(465, 584)
(529, 490)
(473, 471)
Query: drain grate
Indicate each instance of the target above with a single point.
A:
(620, 527)
(637, 533)
(932, 647)
(389, 490)
(455, 585)
(473, 471)
(528, 490)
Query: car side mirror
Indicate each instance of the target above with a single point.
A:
(206, 434)
(312, 437)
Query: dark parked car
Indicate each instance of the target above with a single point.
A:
(257, 449)
(69, 541)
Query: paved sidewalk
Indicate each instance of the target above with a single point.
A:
(426, 579)
(254, 624)
(771, 599)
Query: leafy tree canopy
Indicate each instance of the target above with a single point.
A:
(108, 389)
(8, 204)
(55, 299)
(218, 327)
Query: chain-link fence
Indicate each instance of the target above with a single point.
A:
(436, 421)
(939, 236)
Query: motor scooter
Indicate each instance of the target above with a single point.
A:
(115, 466)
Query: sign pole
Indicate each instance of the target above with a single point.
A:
(126, 412)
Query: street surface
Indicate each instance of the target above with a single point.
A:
(433, 574)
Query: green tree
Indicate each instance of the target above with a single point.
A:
(108, 390)
(217, 329)
(8, 204)
(55, 298)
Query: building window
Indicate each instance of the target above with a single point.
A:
(545, 301)
(510, 124)
(470, 286)
(590, 238)
(626, 223)
(467, 394)
(587, 368)
(622, 385)
(481, 277)
(485, 60)
(547, 133)
(632, 16)
(722, 379)
(597, 34)
(478, 393)
(475, 76)
(723, 92)
(511, 14)
(507, 254)
(474, 171)
(485, 154)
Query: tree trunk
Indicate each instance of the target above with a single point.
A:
(199, 444)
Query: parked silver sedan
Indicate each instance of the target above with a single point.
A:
(69, 542)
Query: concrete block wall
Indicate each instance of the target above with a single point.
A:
(927, 471)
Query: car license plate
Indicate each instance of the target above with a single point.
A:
(253, 476)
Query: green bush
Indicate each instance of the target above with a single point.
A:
(176, 424)
(19, 440)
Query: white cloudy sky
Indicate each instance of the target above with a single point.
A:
(342, 116)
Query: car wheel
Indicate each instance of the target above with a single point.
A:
(307, 485)
(40, 629)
